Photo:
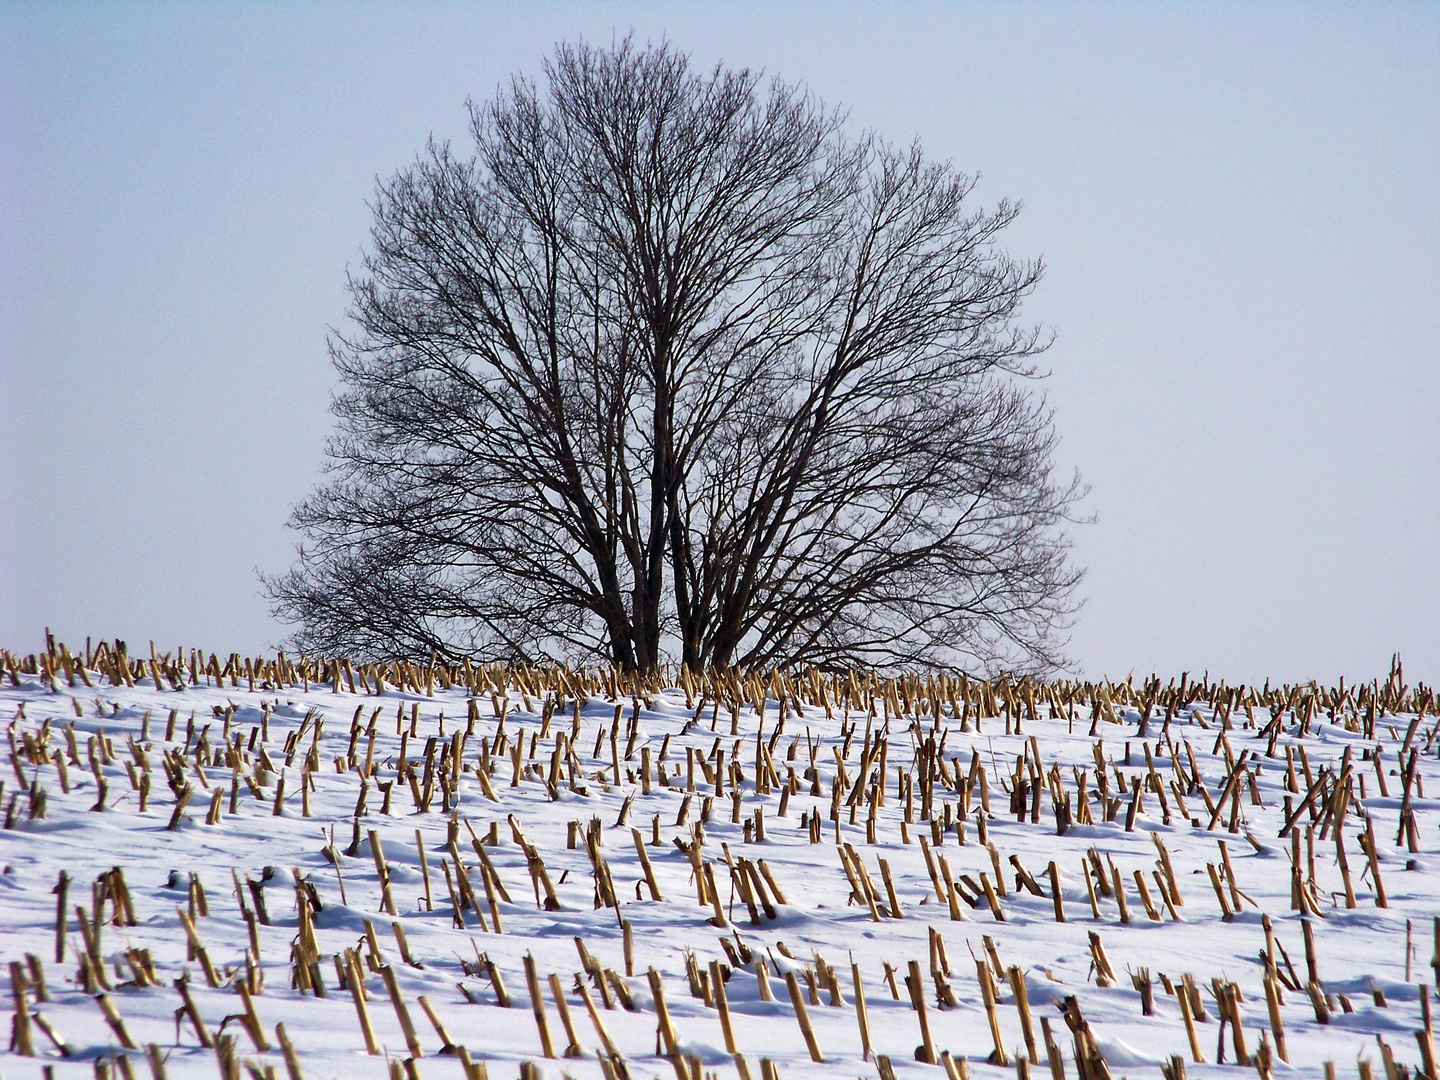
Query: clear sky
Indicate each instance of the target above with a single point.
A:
(1239, 205)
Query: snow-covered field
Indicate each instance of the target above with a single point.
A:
(287, 890)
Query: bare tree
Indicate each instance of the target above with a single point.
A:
(672, 367)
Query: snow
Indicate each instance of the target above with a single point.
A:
(1361, 952)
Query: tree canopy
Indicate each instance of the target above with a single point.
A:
(673, 367)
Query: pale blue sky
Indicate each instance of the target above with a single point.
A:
(1239, 206)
